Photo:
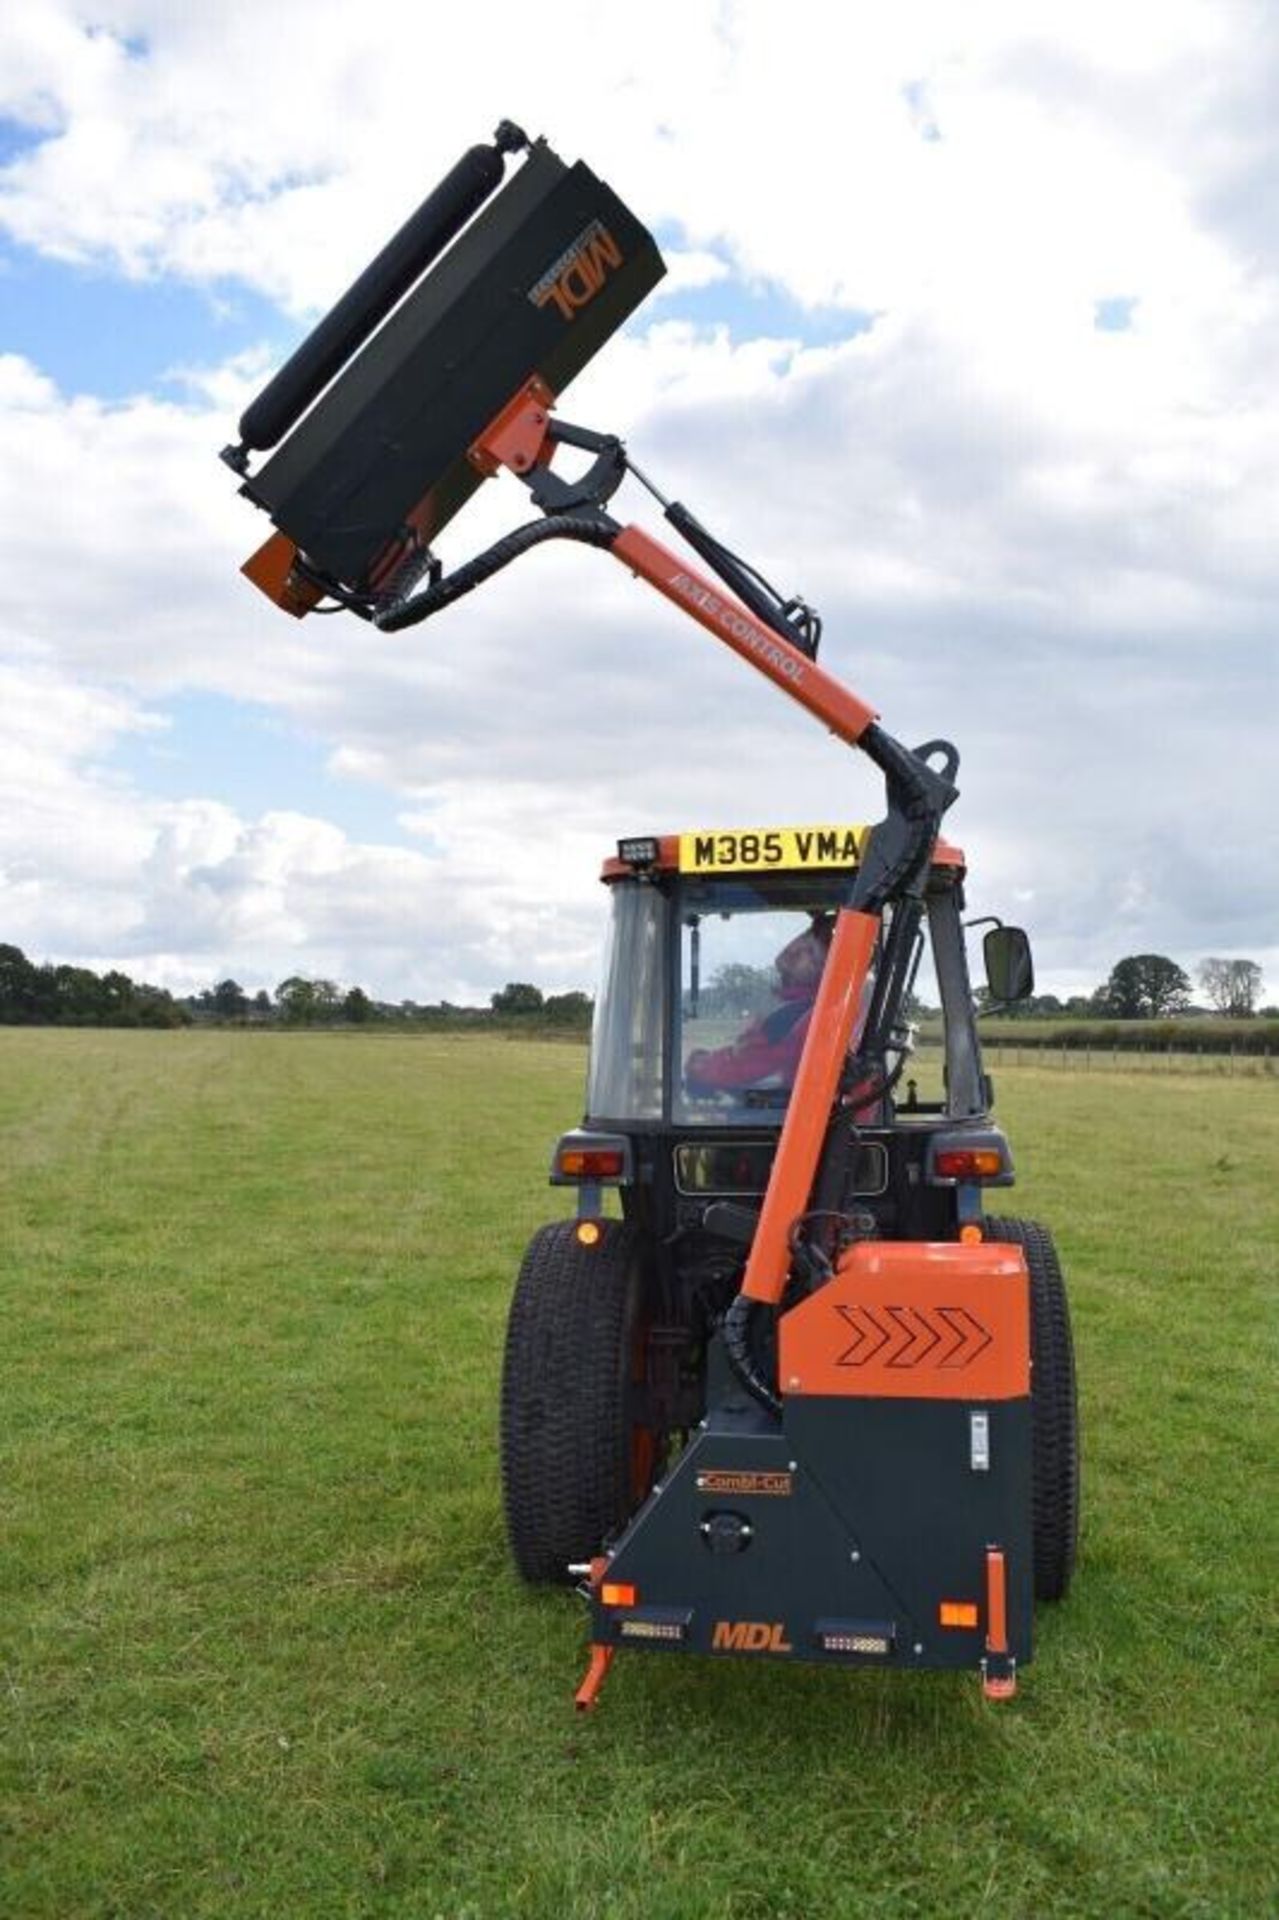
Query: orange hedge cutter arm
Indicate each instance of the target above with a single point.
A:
(895, 860)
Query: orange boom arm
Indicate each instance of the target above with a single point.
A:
(826, 698)
(523, 439)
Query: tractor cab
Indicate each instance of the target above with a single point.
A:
(716, 946)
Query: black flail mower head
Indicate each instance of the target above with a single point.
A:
(794, 1392)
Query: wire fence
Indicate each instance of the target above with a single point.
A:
(1236, 1062)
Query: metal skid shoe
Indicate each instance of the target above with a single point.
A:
(882, 1519)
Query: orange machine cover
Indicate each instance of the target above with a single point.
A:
(915, 1320)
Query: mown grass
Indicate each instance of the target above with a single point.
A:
(262, 1654)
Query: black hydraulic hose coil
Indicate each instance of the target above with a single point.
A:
(736, 1332)
(597, 532)
(368, 300)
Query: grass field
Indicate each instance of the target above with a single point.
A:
(261, 1651)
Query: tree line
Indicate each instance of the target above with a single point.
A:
(65, 996)
(1142, 986)
(42, 994)
(1149, 986)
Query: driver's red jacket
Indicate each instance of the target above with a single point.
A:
(768, 1049)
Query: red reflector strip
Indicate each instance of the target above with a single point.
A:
(969, 1163)
(957, 1613)
(592, 1163)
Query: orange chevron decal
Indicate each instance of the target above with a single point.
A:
(921, 1320)
(910, 1336)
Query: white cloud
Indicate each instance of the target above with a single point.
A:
(1052, 541)
(1063, 155)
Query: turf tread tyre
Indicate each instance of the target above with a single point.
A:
(566, 1429)
(1054, 1408)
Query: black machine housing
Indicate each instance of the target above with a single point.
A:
(378, 413)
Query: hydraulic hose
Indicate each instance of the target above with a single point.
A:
(737, 1348)
(598, 531)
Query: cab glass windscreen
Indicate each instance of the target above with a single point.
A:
(751, 957)
(625, 1077)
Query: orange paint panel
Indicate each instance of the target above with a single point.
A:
(271, 571)
(516, 437)
(914, 1320)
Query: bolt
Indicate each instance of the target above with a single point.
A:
(854, 1555)
(919, 1646)
(793, 1466)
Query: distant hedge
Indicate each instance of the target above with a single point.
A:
(1138, 1036)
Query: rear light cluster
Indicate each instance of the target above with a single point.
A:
(970, 1155)
(969, 1163)
(864, 1639)
(591, 1163)
(582, 1158)
(643, 1623)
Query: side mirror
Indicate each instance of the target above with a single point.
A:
(1010, 971)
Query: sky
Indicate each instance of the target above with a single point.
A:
(968, 335)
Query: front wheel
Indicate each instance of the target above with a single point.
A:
(576, 1457)
(1053, 1408)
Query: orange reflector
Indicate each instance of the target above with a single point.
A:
(957, 1613)
(996, 1601)
(968, 1163)
(592, 1163)
(614, 1593)
(588, 1233)
(971, 1234)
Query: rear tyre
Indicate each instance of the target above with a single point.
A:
(576, 1458)
(1054, 1408)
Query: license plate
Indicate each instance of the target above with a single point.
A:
(771, 848)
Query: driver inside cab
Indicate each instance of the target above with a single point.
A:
(767, 1050)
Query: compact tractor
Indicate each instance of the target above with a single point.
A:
(794, 1392)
